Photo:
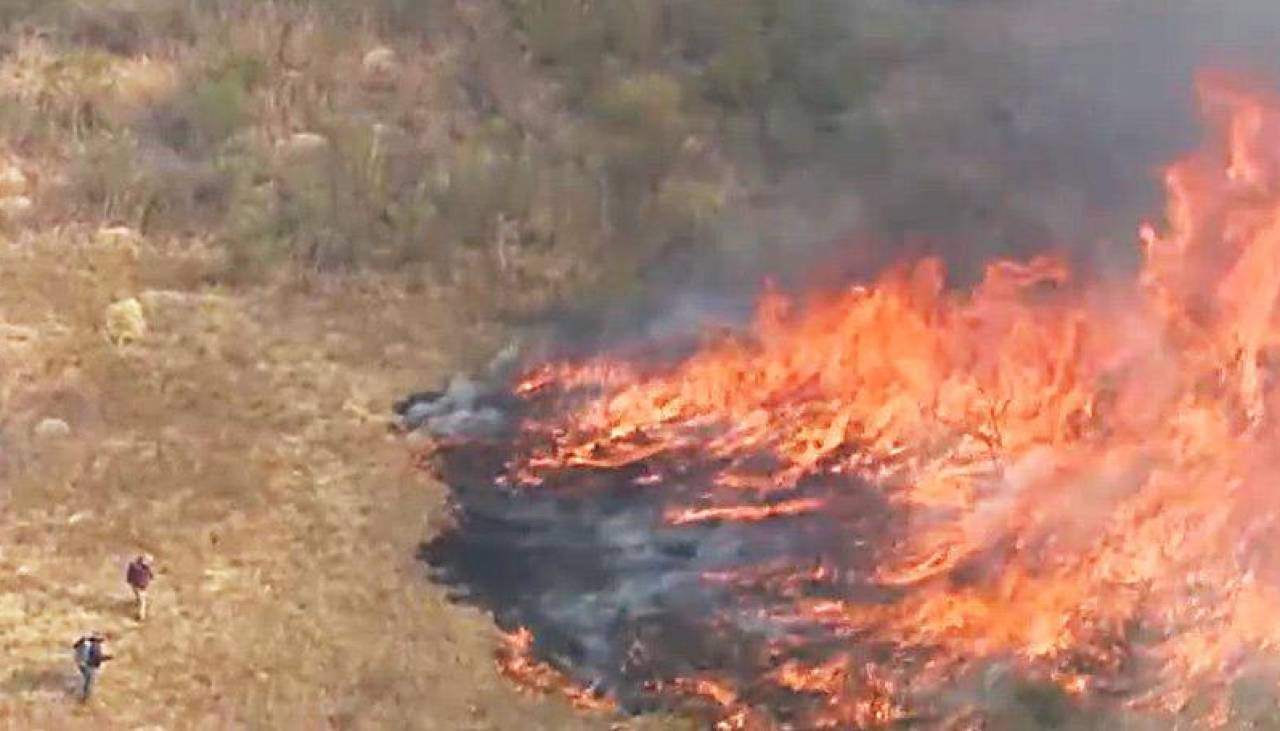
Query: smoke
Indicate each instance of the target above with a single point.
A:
(994, 128)
(1045, 124)
(468, 407)
(1003, 128)
(1015, 128)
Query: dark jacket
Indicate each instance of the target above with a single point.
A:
(89, 652)
(139, 575)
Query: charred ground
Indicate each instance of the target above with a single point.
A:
(616, 598)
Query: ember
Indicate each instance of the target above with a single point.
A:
(876, 500)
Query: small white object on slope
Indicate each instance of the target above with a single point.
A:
(125, 322)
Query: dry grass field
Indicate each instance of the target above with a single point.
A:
(242, 440)
(192, 370)
(241, 435)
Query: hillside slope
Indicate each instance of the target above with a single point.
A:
(241, 440)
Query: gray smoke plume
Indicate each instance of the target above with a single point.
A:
(468, 407)
(995, 128)
(1046, 123)
(1005, 128)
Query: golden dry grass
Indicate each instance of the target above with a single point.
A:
(242, 441)
(241, 437)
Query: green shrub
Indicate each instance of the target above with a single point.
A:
(644, 127)
(215, 106)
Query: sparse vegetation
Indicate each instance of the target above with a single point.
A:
(240, 440)
(346, 136)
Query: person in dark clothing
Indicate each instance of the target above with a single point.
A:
(139, 576)
(89, 658)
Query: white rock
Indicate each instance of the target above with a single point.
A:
(380, 64)
(125, 322)
(16, 207)
(52, 429)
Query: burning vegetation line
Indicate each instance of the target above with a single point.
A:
(852, 513)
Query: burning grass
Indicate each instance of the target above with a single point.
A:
(853, 514)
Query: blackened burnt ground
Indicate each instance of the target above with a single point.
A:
(625, 602)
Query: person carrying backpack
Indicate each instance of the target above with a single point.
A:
(139, 576)
(89, 658)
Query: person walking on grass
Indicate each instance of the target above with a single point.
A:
(89, 658)
(139, 576)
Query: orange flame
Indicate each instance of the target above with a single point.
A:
(515, 660)
(1109, 451)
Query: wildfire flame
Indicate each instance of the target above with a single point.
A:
(515, 660)
(1087, 472)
